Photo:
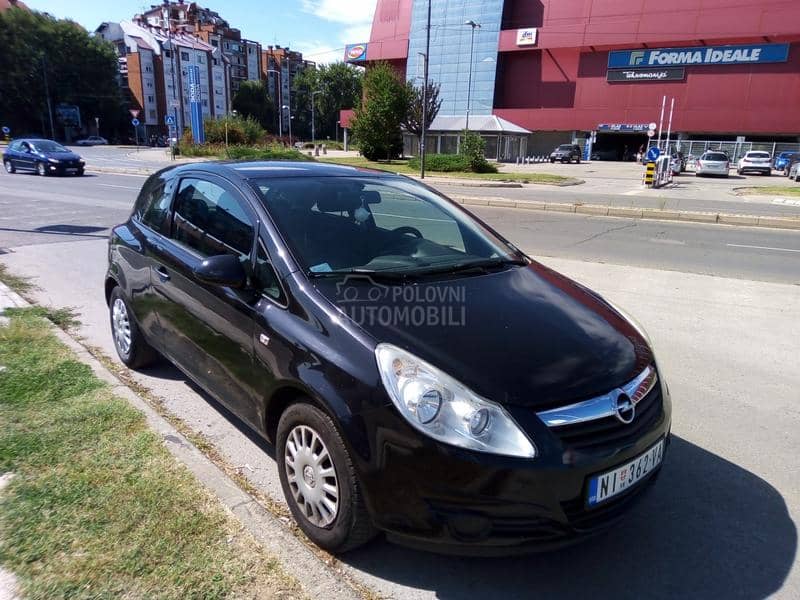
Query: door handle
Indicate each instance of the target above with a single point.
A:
(162, 273)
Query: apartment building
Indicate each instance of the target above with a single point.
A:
(153, 71)
(289, 63)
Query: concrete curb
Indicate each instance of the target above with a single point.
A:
(316, 578)
(632, 212)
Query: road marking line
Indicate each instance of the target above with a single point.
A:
(789, 201)
(666, 241)
(126, 187)
(633, 192)
(763, 248)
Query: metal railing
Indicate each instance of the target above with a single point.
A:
(735, 150)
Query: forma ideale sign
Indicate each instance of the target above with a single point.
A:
(637, 75)
(355, 53)
(699, 56)
(195, 104)
(623, 127)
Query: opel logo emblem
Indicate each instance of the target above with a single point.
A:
(624, 408)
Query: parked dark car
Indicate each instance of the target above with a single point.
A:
(566, 153)
(417, 374)
(44, 157)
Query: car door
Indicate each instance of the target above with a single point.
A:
(24, 157)
(207, 330)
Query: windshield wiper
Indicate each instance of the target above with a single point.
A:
(482, 266)
(365, 273)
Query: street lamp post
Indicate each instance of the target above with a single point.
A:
(233, 114)
(313, 128)
(289, 110)
(422, 144)
(280, 112)
(474, 26)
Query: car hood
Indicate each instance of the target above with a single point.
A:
(62, 155)
(524, 336)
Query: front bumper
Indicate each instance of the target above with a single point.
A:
(755, 169)
(441, 498)
(64, 168)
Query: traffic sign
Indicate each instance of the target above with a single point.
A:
(135, 122)
(134, 112)
(650, 133)
(653, 153)
(6, 131)
(169, 120)
(652, 126)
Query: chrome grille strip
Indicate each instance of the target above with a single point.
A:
(596, 408)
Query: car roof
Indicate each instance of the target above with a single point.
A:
(275, 169)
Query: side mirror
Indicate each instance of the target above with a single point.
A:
(223, 270)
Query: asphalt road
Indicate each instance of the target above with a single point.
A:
(36, 210)
(722, 520)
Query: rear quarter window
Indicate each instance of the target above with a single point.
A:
(153, 204)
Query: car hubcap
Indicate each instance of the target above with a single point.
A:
(7, 166)
(122, 326)
(312, 476)
(40, 168)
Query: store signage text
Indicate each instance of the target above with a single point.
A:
(636, 75)
(527, 36)
(714, 55)
(355, 53)
(624, 127)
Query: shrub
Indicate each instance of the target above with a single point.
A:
(473, 148)
(240, 131)
(243, 152)
(442, 162)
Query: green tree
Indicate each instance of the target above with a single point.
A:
(413, 120)
(377, 121)
(80, 70)
(473, 148)
(253, 100)
(340, 85)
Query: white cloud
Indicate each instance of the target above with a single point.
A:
(356, 15)
(341, 11)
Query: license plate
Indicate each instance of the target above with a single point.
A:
(609, 484)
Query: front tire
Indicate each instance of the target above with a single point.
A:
(79, 172)
(319, 481)
(41, 170)
(132, 349)
(9, 167)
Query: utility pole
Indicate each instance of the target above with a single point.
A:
(47, 96)
(178, 128)
(474, 26)
(289, 99)
(425, 95)
(280, 104)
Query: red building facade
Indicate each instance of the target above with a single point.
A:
(559, 83)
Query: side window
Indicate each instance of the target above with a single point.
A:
(25, 147)
(211, 220)
(15, 146)
(265, 276)
(152, 206)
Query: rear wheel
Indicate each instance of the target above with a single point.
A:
(132, 348)
(9, 167)
(79, 172)
(41, 170)
(319, 481)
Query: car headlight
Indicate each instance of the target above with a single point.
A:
(444, 409)
(54, 160)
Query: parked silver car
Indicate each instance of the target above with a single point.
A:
(755, 161)
(92, 140)
(712, 163)
(794, 172)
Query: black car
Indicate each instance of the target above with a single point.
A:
(417, 373)
(44, 157)
(566, 153)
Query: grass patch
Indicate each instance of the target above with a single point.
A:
(770, 190)
(63, 318)
(402, 166)
(98, 507)
(21, 285)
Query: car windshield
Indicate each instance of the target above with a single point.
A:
(758, 155)
(715, 156)
(48, 146)
(566, 147)
(387, 226)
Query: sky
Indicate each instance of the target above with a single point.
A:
(318, 28)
